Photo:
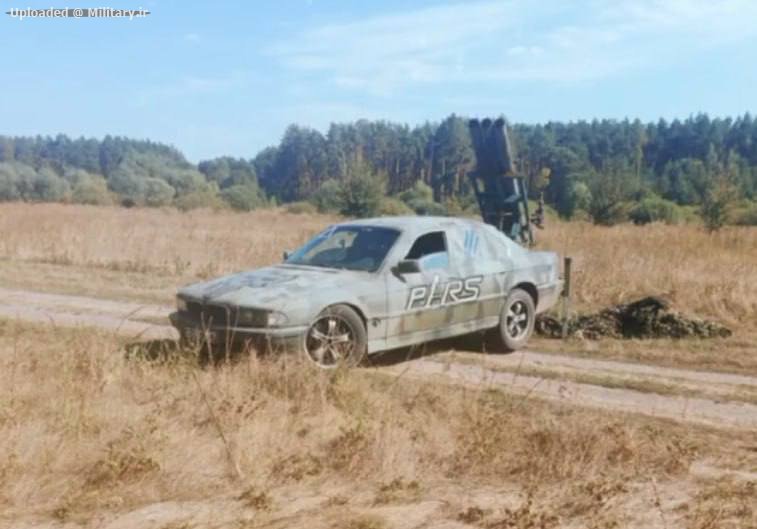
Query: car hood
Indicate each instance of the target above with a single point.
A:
(274, 287)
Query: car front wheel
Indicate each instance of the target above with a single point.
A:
(337, 337)
(516, 321)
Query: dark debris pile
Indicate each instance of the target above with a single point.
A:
(649, 317)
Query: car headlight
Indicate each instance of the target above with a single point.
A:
(251, 318)
(260, 318)
(181, 304)
(276, 319)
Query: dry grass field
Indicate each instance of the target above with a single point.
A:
(92, 437)
(712, 275)
(144, 254)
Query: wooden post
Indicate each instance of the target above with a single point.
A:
(566, 296)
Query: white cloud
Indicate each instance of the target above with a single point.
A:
(716, 20)
(514, 40)
(385, 51)
(189, 86)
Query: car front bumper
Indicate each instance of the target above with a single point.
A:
(190, 326)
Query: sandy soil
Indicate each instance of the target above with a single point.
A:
(681, 408)
(713, 399)
(699, 397)
(122, 317)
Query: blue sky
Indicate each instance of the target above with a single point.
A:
(227, 77)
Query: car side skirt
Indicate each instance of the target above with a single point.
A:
(458, 329)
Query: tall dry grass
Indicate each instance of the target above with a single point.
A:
(712, 275)
(86, 430)
(200, 242)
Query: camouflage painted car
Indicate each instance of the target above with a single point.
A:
(366, 286)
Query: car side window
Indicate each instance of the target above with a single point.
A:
(430, 250)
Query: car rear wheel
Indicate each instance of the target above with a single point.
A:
(337, 337)
(516, 321)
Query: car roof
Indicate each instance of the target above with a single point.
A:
(417, 224)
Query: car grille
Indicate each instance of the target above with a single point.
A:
(212, 315)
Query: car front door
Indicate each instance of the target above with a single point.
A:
(416, 300)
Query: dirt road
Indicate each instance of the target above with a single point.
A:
(124, 318)
(699, 397)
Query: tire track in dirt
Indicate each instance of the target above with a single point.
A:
(512, 373)
(570, 363)
(84, 305)
(686, 409)
(123, 318)
(645, 378)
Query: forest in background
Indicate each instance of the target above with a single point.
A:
(607, 171)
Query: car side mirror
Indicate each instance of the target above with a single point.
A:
(286, 255)
(407, 266)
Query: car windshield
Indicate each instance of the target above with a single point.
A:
(361, 248)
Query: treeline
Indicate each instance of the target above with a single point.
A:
(121, 171)
(606, 170)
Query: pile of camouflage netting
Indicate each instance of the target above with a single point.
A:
(650, 317)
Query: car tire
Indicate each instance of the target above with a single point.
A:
(336, 338)
(516, 321)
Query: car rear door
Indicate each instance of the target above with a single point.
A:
(479, 261)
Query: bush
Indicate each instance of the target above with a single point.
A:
(690, 214)
(8, 183)
(91, 190)
(327, 198)
(610, 214)
(427, 207)
(301, 208)
(419, 192)
(243, 197)
(420, 198)
(744, 214)
(654, 208)
(580, 196)
(393, 207)
(458, 206)
(49, 187)
(127, 184)
(184, 181)
(580, 215)
(207, 198)
(157, 192)
(717, 204)
(361, 196)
